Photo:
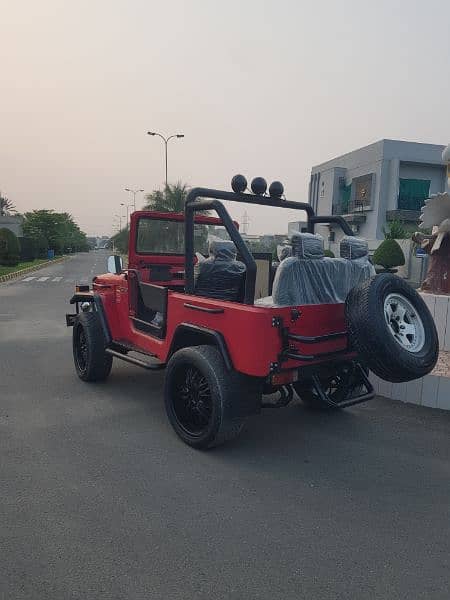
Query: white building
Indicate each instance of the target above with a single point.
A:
(381, 182)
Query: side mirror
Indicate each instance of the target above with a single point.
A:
(115, 264)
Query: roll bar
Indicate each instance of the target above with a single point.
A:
(209, 199)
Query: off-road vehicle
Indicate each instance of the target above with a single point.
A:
(319, 331)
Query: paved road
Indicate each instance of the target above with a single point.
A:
(99, 499)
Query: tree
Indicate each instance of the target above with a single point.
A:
(389, 255)
(120, 241)
(57, 230)
(396, 231)
(6, 206)
(9, 247)
(171, 199)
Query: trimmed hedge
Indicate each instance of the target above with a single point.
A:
(9, 248)
(389, 255)
(32, 248)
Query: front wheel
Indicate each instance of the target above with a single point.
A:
(202, 398)
(88, 342)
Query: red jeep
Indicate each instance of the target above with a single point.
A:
(327, 322)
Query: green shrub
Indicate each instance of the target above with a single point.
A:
(389, 254)
(329, 253)
(396, 231)
(9, 248)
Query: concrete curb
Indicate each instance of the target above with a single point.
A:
(432, 390)
(16, 274)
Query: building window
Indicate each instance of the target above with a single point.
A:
(413, 193)
(346, 195)
(363, 192)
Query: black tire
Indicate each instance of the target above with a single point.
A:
(88, 343)
(202, 397)
(377, 337)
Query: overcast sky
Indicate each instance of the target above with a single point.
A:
(259, 87)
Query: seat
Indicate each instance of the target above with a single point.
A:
(221, 276)
(356, 250)
(310, 278)
(304, 277)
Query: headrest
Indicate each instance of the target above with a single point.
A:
(353, 247)
(307, 245)
(283, 251)
(222, 249)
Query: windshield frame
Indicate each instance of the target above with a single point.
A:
(177, 217)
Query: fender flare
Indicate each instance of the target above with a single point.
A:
(187, 334)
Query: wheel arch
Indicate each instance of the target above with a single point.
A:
(97, 302)
(187, 335)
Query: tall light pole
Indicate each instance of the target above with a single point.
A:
(127, 206)
(120, 221)
(134, 192)
(166, 140)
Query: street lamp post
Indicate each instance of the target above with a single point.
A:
(134, 192)
(127, 206)
(120, 221)
(166, 140)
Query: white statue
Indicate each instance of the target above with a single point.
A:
(436, 216)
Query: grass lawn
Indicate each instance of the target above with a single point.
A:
(23, 265)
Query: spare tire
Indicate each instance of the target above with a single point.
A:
(391, 328)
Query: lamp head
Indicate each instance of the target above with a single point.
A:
(238, 184)
(276, 189)
(259, 186)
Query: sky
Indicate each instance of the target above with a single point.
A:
(260, 87)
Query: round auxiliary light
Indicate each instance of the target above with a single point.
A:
(238, 184)
(259, 186)
(276, 189)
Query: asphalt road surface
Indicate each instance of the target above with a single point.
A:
(99, 498)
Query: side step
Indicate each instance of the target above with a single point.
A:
(135, 361)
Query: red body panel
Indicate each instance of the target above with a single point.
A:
(252, 340)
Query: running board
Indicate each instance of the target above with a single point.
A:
(135, 361)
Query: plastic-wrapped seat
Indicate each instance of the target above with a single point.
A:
(221, 276)
(309, 278)
(356, 250)
(304, 278)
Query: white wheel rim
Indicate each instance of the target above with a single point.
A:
(404, 323)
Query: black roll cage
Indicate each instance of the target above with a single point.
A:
(210, 200)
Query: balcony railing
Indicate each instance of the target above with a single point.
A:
(344, 207)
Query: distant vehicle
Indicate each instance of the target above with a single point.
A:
(223, 351)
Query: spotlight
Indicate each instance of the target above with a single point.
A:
(259, 186)
(276, 189)
(238, 184)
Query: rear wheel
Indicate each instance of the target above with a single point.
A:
(202, 398)
(88, 342)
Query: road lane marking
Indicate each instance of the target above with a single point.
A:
(29, 278)
(42, 278)
(57, 279)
